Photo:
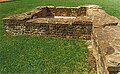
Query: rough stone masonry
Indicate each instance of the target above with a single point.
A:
(88, 22)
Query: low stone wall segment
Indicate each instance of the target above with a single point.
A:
(101, 40)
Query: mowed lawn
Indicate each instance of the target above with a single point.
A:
(45, 55)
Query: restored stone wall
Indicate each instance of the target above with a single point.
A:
(102, 40)
(49, 11)
(61, 11)
(41, 21)
(75, 30)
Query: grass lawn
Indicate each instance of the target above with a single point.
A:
(24, 54)
(45, 55)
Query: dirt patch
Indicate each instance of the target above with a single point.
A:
(4, 0)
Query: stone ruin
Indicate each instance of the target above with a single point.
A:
(88, 22)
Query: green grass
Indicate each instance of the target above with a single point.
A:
(24, 54)
(45, 55)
